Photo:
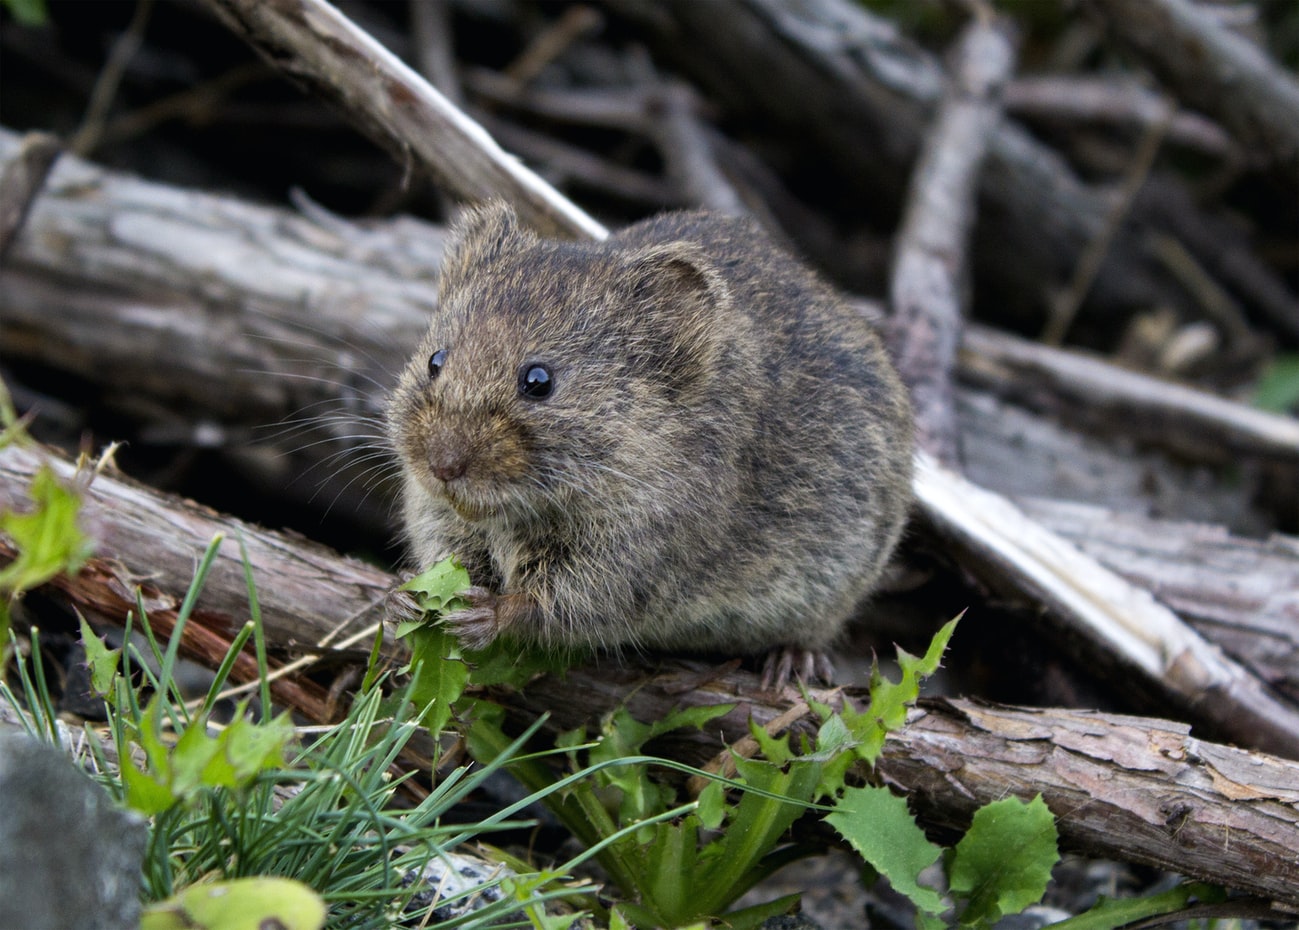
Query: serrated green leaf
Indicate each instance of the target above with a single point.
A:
(102, 660)
(929, 663)
(638, 795)
(439, 675)
(775, 749)
(199, 761)
(251, 748)
(882, 829)
(184, 771)
(890, 700)
(622, 735)
(48, 539)
(1004, 861)
(437, 588)
(506, 662)
(833, 738)
(144, 793)
(239, 904)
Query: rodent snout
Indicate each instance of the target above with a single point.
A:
(448, 465)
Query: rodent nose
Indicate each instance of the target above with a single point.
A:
(449, 467)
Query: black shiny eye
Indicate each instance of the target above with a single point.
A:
(535, 381)
(435, 363)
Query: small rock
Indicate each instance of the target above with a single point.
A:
(68, 856)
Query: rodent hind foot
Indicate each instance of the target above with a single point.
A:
(785, 664)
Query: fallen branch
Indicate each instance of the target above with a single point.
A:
(1086, 388)
(21, 181)
(1006, 548)
(319, 47)
(927, 290)
(201, 261)
(1121, 787)
(1213, 70)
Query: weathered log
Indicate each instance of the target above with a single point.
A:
(832, 72)
(1241, 593)
(237, 258)
(1120, 787)
(1010, 551)
(311, 599)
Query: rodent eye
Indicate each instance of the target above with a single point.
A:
(435, 363)
(536, 381)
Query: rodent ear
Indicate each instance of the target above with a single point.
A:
(480, 234)
(666, 278)
(676, 301)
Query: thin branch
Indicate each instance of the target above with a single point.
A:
(88, 136)
(1107, 101)
(21, 181)
(314, 43)
(929, 271)
(1065, 308)
(1005, 547)
(1213, 70)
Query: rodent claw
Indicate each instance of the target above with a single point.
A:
(400, 606)
(786, 664)
(475, 626)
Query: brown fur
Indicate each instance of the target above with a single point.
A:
(724, 463)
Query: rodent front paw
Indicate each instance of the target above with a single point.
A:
(475, 626)
(400, 606)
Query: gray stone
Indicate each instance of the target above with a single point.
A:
(69, 858)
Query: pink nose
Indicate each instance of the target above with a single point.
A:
(449, 467)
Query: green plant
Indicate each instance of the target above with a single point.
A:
(1278, 388)
(234, 808)
(681, 864)
(27, 12)
(252, 799)
(47, 537)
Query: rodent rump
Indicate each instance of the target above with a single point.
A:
(678, 438)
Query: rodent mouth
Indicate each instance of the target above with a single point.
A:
(465, 508)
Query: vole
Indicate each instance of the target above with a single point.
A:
(675, 439)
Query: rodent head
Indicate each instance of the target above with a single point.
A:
(555, 374)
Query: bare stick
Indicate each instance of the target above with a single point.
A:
(314, 43)
(1213, 70)
(1001, 543)
(1109, 101)
(21, 181)
(930, 269)
(1182, 418)
(431, 24)
(1067, 304)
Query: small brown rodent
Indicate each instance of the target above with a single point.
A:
(678, 438)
